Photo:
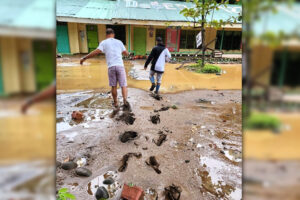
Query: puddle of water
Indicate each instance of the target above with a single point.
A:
(214, 178)
(114, 190)
(265, 144)
(94, 76)
(29, 136)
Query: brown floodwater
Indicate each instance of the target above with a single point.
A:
(29, 136)
(71, 76)
(279, 146)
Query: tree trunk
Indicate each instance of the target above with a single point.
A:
(203, 36)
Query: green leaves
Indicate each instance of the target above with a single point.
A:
(63, 194)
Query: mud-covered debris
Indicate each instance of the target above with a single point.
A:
(152, 162)
(58, 164)
(162, 138)
(202, 101)
(127, 136)
(155, 119)
(173, 192)
(125, 160)
(101, 193)
(108, 181)
(127, 117)
(187, 161)
(126, 107)
(76, 115)
(156, 96)
(165, 108)
(68, 165)
(145, 148)
(81, 171)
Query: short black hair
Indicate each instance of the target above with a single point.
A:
(159, 40)
(109, 31)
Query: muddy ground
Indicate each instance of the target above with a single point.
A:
(202, 153)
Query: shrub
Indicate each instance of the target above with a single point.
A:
(211, 69)
(262, 121)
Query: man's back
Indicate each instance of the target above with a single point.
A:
(113, 49)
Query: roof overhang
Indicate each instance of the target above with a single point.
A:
(27, 33)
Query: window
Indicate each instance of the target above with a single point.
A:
(161, 33)
(188, 39)
(231, 40)
(120, 32)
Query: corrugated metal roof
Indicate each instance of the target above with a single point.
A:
(163, 10)
(286, 20)
(29, 14)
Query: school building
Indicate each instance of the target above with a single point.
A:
(27, 46)
(81, 26)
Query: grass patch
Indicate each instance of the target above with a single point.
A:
(260, 121)
(208, 68)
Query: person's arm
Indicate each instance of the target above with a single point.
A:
(150, 57)
(90, 55)
(45, 94)
(168, 55)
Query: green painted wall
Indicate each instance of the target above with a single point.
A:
(62, 38)
(44, 62)
(92, 37)
(139, 40)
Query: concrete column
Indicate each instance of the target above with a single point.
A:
(83, 46)
(73, 38)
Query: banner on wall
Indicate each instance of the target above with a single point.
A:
(173, 39)
(199, 39)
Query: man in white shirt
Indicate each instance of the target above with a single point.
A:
(113, 50)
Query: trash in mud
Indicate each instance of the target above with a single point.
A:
(76, 115)
(101, 193)
(165, 108)
(187, 161)
(152, 162)
(173, 192)
(81, 162)
(151, 194)
(155, 119)
(131, 192)
(68, 165)
(108, 181)
(127, 136)
(127, 117)
(156, 96)
(162, 138)
(126, 107)
(125, 160)
(81, 171)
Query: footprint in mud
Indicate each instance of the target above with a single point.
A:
(155, 119)
(127, 117)
(125, 160)
(162, 138)
(152, 162)
(127, 136)
(173, 192)
(156, 96)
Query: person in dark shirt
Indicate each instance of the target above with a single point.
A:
(157, 57)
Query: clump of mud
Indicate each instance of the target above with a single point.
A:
(127, 136)
(202, 101)
(125, 160)
(156, 96)
(162, 138)
(155, 119)
(127, 117)
(165, 108)
(173, 192)
(152, 162)
(126, 107)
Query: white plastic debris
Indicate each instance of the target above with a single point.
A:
(81, 162)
